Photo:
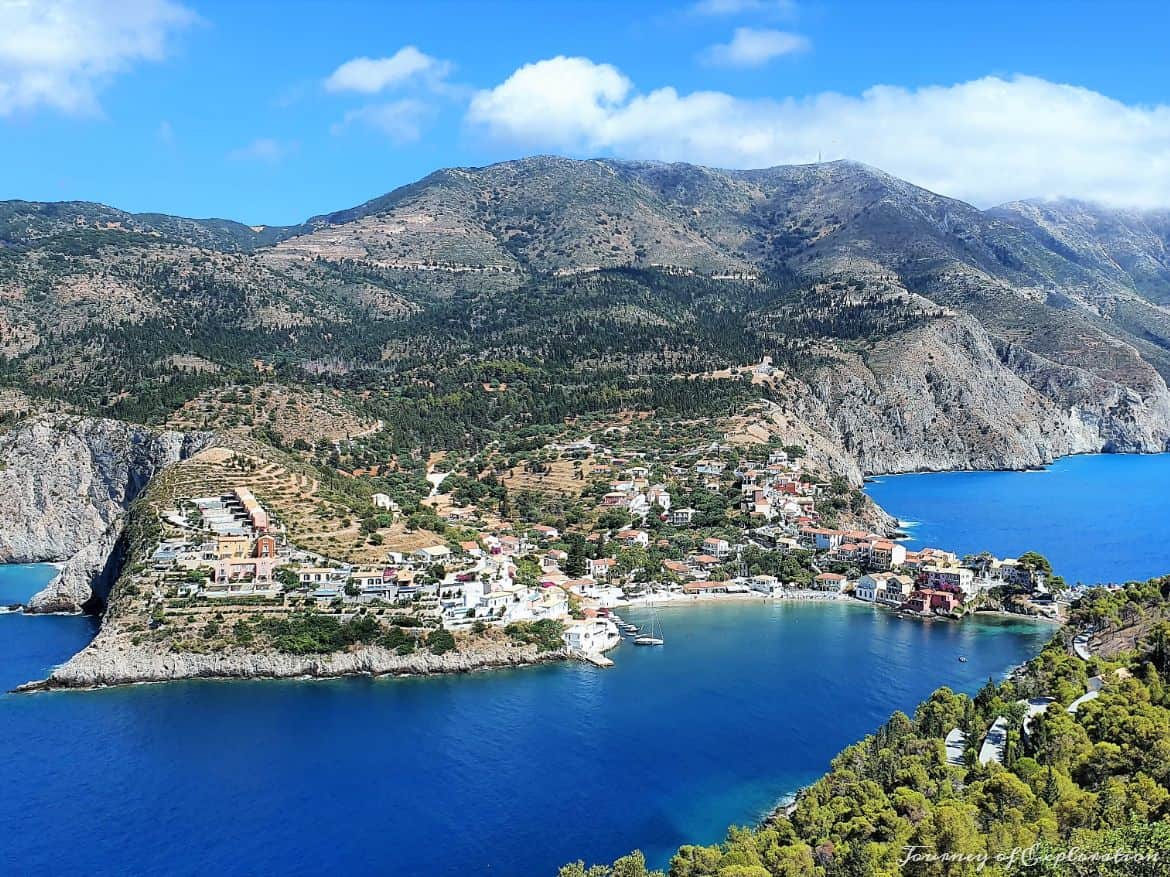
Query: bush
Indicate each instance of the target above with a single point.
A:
(440, 641)
(546, 633)
(304, 633)
(242, 632)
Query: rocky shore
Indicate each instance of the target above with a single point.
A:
(108, 661)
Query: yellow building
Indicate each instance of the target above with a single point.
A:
(232, 547)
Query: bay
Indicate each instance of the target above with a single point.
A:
(1098, 518)
(505, 773)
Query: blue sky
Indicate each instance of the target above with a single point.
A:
(258, 111)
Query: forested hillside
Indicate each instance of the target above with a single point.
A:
(914, 331)
(1084, 790)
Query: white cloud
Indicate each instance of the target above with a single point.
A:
(986, 141)
(750, 47)
(561, 102)
(265, 149)
(372, 75)
(61, 53)
(785, 8)
(402, 121)
(408, 69)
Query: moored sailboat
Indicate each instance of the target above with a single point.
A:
(651, 635)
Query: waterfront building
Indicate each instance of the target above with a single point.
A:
(886, 555)
(829, 581)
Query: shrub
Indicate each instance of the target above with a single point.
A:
(440, 641)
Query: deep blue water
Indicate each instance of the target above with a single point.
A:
(1098, 518)
(507, 773)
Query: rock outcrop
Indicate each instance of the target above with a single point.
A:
(949, 396)
(66, 484)
(111, 660)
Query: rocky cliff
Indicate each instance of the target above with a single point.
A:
(66, 483)
(950, 396)
(111, 659)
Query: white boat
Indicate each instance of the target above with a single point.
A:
(8, 610)
(651, 636)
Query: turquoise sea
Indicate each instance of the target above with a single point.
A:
(510, 773)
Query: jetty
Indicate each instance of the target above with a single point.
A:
(595, 658)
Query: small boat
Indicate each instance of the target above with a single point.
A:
(653, 637)
(7, 610)
(962, 659)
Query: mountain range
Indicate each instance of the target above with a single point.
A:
(909, 330)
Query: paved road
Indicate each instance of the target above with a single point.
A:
(993, 743)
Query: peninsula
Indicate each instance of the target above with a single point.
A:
(477, 414)
(241, 562)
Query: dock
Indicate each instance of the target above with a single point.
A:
(595, 658)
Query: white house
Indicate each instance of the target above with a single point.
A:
(885, 554)
(634, 538)
(829, 581)
(883, 587)
(659, 494)
(682, 517)
(958, 579)
(822, 539)
(383, 501)
(895, 590)
(432, 553)
(600, 567)
(718, 547)
(764, 584)
(591, 635)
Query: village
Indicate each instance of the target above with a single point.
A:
(720, 527)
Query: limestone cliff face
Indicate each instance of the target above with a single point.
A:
(66, 484)
(948, 396)
(112, 660)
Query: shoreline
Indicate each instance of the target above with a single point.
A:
(95, 667)
(824, 597)
(786, 805)
(92, 669)
(661, 602)
(1044, 467)
(49, 686)
(1003, 613)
